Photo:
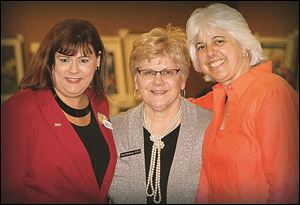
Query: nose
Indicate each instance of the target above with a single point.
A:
(158, 78)
(210, 51)
(74, 67)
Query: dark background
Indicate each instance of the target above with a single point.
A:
(34, 19)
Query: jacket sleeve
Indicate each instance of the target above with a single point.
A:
(17, 144)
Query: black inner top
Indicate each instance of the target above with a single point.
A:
(92, 138)
(94, 142)
(167, 155)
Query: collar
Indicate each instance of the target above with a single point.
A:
(240, 85)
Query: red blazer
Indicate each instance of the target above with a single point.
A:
(42, 158)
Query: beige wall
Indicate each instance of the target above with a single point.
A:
(34, 19)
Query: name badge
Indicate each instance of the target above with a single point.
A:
(129, 153)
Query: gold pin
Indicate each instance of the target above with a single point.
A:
(103, 120)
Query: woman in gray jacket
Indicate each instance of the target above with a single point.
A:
(159, 141)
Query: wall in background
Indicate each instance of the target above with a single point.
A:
(34, 19)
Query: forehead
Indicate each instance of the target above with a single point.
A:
(84, 49)
(211, 33)
(158, 62)
(79, 52)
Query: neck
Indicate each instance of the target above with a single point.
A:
(159, 120)
(244, 67)
(78, 102)
(70, 110)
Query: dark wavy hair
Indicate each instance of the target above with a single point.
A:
(66, 37)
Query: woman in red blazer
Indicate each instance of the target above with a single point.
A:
(56, 140)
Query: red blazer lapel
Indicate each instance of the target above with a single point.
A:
(67, 136)
(101, 108)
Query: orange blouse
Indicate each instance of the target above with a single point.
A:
(254, 159)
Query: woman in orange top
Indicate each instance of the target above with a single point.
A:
(250, 150)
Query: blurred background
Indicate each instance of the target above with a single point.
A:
(24, 24)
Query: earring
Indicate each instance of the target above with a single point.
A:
(136, 94)
(245, 54)
(97, 68)
(182, 93)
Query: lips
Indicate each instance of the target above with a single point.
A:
(158, 92)
(215, 64)
(72, 79)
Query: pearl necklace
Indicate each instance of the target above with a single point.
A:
(156, 148)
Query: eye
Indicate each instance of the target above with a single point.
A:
(219, 42)
(200, 46)
(144, 72)
(149, 72)
(167, 72)
(63, 60)
(84, 61)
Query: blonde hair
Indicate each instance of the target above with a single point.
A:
(169, 41)
(221, 16)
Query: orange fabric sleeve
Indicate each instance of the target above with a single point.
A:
(278, 136)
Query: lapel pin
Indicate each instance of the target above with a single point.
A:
(57, 124)
(104, 121)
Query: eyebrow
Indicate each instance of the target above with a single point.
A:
(218, 37)
(200, 42)
(66, 56)
(61, 55)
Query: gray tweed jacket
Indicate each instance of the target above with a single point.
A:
(129, 182)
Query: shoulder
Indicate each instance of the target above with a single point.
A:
(122, 119)
(21, 107)
(192, 109)
(271, 92)
(205, 101)
(270, 83)
(22, 95)
(196, 117)
(22, 99)
(272, 80)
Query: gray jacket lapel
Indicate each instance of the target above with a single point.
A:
(130, 183)
(185, 169)
(137, 164)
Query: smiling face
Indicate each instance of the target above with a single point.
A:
(160, 93)
(220, 56)
(73, 74)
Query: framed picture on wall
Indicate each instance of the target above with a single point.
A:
(127, 45)
(12, 65)
(116, 83)
(283, 51)
(115, 79)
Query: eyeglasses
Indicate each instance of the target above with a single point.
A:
(150, 74)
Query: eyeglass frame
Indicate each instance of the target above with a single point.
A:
(160, 72)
